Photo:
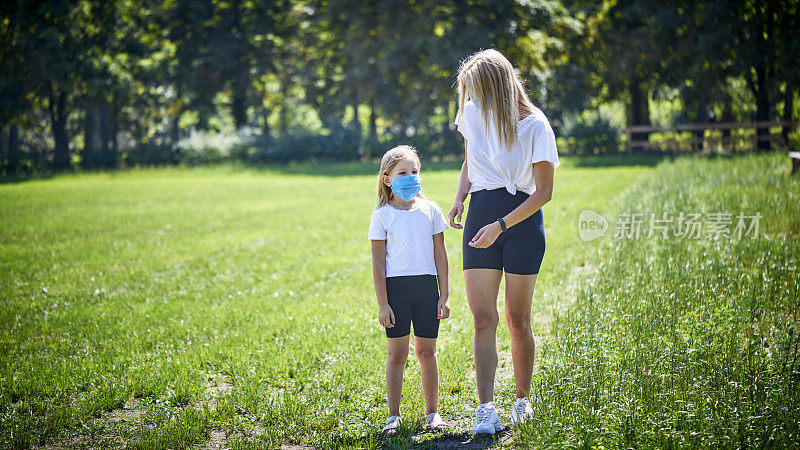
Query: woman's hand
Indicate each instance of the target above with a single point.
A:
(443, 308)
(454, 215)
(386, 316)
(486, 235)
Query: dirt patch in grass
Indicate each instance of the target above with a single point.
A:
(578, 277)
(218, 439)
(217, 385)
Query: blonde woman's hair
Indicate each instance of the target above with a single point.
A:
(389, 160)
(489, 78)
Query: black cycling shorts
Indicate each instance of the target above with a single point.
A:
(519, 249)
(414, 299)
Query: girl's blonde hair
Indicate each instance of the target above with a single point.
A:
(389, 160)
(489, 78)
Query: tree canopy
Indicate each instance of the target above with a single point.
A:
(118, 82)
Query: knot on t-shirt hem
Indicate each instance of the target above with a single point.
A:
(511, 188)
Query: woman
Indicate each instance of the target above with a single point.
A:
(508, 171)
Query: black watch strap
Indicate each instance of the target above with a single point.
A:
(502, 224)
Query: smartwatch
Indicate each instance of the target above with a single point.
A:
(502, 224)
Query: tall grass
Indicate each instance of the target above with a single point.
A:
(683, 342)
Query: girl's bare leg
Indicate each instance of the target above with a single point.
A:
(395, 364)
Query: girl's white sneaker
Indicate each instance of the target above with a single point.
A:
(434, 421)
(392, 423)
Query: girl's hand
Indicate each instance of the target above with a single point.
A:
(386, 316)
(486, 235)
(454, 215)
(443, 308)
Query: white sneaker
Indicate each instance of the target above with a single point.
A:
(486, 419)
(392, 423)
(434, 422)
(522, 411)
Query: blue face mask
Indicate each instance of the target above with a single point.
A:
(406, 187)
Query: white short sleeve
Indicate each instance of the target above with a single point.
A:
(439, 221)
(377, 231)
(463, 123)
(544, 145)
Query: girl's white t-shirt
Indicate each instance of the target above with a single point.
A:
(490, 165)
(409, 236)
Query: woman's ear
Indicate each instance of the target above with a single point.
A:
(387, 180)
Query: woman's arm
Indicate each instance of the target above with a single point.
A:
(543, 172)
(463, 183)
(385, 313)
(454, 215)
(442, 270)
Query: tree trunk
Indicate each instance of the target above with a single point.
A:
(445, 128)
(267, 131)
(175, 130)
(702, 117)
(727, 117)
(239, 103)
(762, 106)
(58, 119)
(373, 118)
(639, 109)
(241, 70)
(788, 111)
(13, 149)
(108, 155)
(89, 156)
(373, 129)
(114, 135)
(357, 128)
(284, 116)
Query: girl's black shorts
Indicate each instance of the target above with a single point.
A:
(414, 299)
(519, 249)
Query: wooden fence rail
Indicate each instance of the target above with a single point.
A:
(720, 137)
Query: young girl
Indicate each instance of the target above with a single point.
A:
(409, 268)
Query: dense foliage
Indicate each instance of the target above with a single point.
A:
(97, 83)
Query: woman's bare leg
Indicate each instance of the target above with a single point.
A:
(483, 285)
(519, 296)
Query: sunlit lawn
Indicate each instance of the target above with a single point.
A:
(179, 307)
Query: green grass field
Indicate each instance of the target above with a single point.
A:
(222, 306)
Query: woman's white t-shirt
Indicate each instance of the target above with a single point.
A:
(409, 236)
(490, 165)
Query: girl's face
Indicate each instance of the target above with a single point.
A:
(403, 168)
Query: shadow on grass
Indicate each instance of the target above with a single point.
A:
(418, 438)
(356, 168)
(624, 160)
(346, 169)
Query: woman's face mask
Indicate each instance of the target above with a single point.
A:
(406, 187)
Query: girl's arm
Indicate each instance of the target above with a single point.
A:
(543, 172)
(454, 215)
(385, 313)
(442, 270)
